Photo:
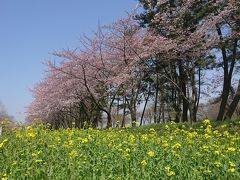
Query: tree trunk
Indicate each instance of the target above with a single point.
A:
(175, 99)
(118, 120)
(133, 114)
(199, 90)
(145, 105)
(161, 115)
(227, 76)
(156, 100)
(162, 106)
(182, 79)
(109, 120)
(233, 104)
(124, 111)
(224, 97)
(194, 99)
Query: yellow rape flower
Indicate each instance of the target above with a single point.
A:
(207, 136)
(36, 153)
(217, 163)
(73, 154)
(205, 148)
(131, 138)
(5, 140)
(2, 143)
(90, 129)
(167, 168)
(144, 137)
(177, 146)
(127, 156)
(18, 135)
(192, 135)
(151, 154)
(231, 149)
(143, 162)
(151, 130)
(85, 140)
(206, 122)
(127, 150)
(167, 127)
(232, 164)
(207, 171)
(31, 135)
(217, 152)
(217, 133)
(38, 161)
(70, 142)
(231, 170)
(208, 130)
(165, 145)
(14, 163)
(223, 126)
(198, 154)
(226, 134)
(169, 171)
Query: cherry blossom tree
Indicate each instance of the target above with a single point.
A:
(196, 27)
(109, 64)
(124, 62)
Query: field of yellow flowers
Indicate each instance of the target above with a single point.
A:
(169, 151)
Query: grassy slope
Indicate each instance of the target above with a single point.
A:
(205, 150)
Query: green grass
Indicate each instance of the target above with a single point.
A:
(206, 150)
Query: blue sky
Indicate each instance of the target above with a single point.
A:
(31, 29)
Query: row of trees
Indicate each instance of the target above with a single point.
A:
(156, 56)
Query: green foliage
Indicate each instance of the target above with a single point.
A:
(203, 150)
